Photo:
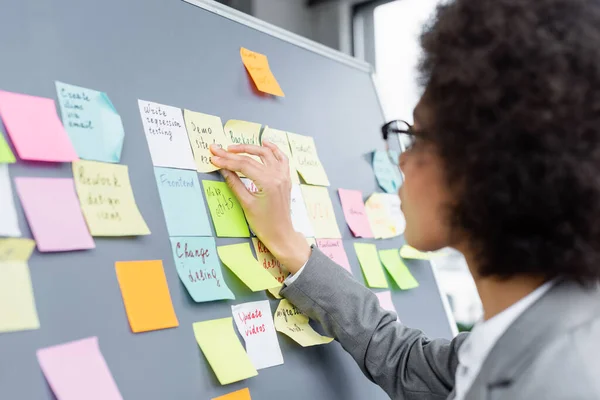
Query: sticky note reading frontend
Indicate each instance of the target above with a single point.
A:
(146, 295)
(17, 304)
(397, 269)
(293, 323)
(239, 259)
(370, 264)
(258, 67)
(226, 212)
(203, 131)
(223, 350)
(320, 211)
(107, 200)
(306, 159)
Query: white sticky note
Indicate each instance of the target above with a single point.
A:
(9, 224)
(255, 323)
(300, 218)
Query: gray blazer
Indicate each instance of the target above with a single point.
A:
(552, 351)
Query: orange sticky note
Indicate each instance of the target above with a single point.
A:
(258, 67)
(146, 295)
(243, 394)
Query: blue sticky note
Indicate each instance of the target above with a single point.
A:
(92, 122)
(387, 173)
(182, 202)
(199, 268)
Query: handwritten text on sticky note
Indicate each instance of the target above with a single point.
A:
(271, 264)
(334, 249)
(355, 213)
(306, 159)
(320, 211)
(203, 131)
(258, 67)
(293, 323)
(226, 212)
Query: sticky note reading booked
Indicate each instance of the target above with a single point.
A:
(258, 67)
(306, 159)
(107, 199)
(291, 322)
(397, 269)
(226, 212)
(204, 130)
(320, 211)
(239, 259)
(370, 264)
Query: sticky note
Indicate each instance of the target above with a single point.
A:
(397, 269)
(300, 219)
(255, 323)
(291, 322)
(166, 135)
(16, 249)
(182, 202)
(107, 200)
(92, 122)
(199, 268)
(334, 249)
(35, 129)
(243, 394)
(410, 252)
(380, 219)
(387, 174)
(271, 264)
(355, 213)
(146, 295)
(392, 201)
(203, 131)
(370, 264)
(226, 212)
(77, 370)
(239, 259)
(9, 222)
(311, 241)
(320, 211)
(6, 154)
(53, 213)
(223, 350)
(243, 132)
(385, 302)
(257, 66)
(306, 159)
(17, 304)
(280, 139)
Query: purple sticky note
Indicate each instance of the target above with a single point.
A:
(35, 129)
(334, 249)
(385, 301)
(54, 214)
(355, 213)
(77, 370)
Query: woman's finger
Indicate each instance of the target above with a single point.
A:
(237, 187)
(238, 163)
(265, 153)
(279, 155)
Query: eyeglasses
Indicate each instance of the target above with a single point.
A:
(403, 129)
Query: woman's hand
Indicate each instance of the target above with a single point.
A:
(268, 210)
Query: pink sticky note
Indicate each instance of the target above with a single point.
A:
(334, 249)
(385, 301)
(355, 213)
(35, 129)
(54, 214)
(77, 370)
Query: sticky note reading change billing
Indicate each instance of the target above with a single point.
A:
(258, 67)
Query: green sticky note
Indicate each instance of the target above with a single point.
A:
(226, 212)
(239, 259)
(370, 264)
(223, 350)
(6, 155)
(397, 269)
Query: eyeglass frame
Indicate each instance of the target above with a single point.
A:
(390, 128)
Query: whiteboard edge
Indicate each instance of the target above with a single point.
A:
(447, 309)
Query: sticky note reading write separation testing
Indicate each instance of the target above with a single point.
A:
(226, 212)
(9, 223)
(370, 264)
(258, 67)
(291, 322)
(17, 304)
(203, 131)
(397, 269)
(239, 259)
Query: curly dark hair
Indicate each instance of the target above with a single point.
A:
(514, 90)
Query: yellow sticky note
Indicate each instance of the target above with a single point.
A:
(243, 132)
(107, 200)
(203, 131)
(239, 259)
(17, 304)
(320, 211)
(397, 269)
(226, 212)
(16, 249)
(291, 322)
(370, 264)
(258, 67)
(381, 221)
(271, 264)
(146, 295)
(306, 159)
(243, 394)
(223, 350)
(280, 139)
(410, 252)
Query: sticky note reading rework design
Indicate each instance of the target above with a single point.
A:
(243, 132)
(385, 302)
(257, 66)
(397, 269)
(255, 324)
(77, 370)
(35, 129)
(199, 269)
(166, 135)
(9, 223)
(243, 394)
(355, 213)
(226, 212)
(239, 259)
(370, 264)
(92, 122)
(6, 154)
(203, 131)
(306, 159)
(54, 214)
(271, 264)
(16, 249)
(223, 350)
(387, 173)
(320, 211)
(280, 139)
(146, 295)
(107, 200)
(182, 202)
(334, 249)
(300, 219)
(17, 304)
(380, 219)
(291, 322)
